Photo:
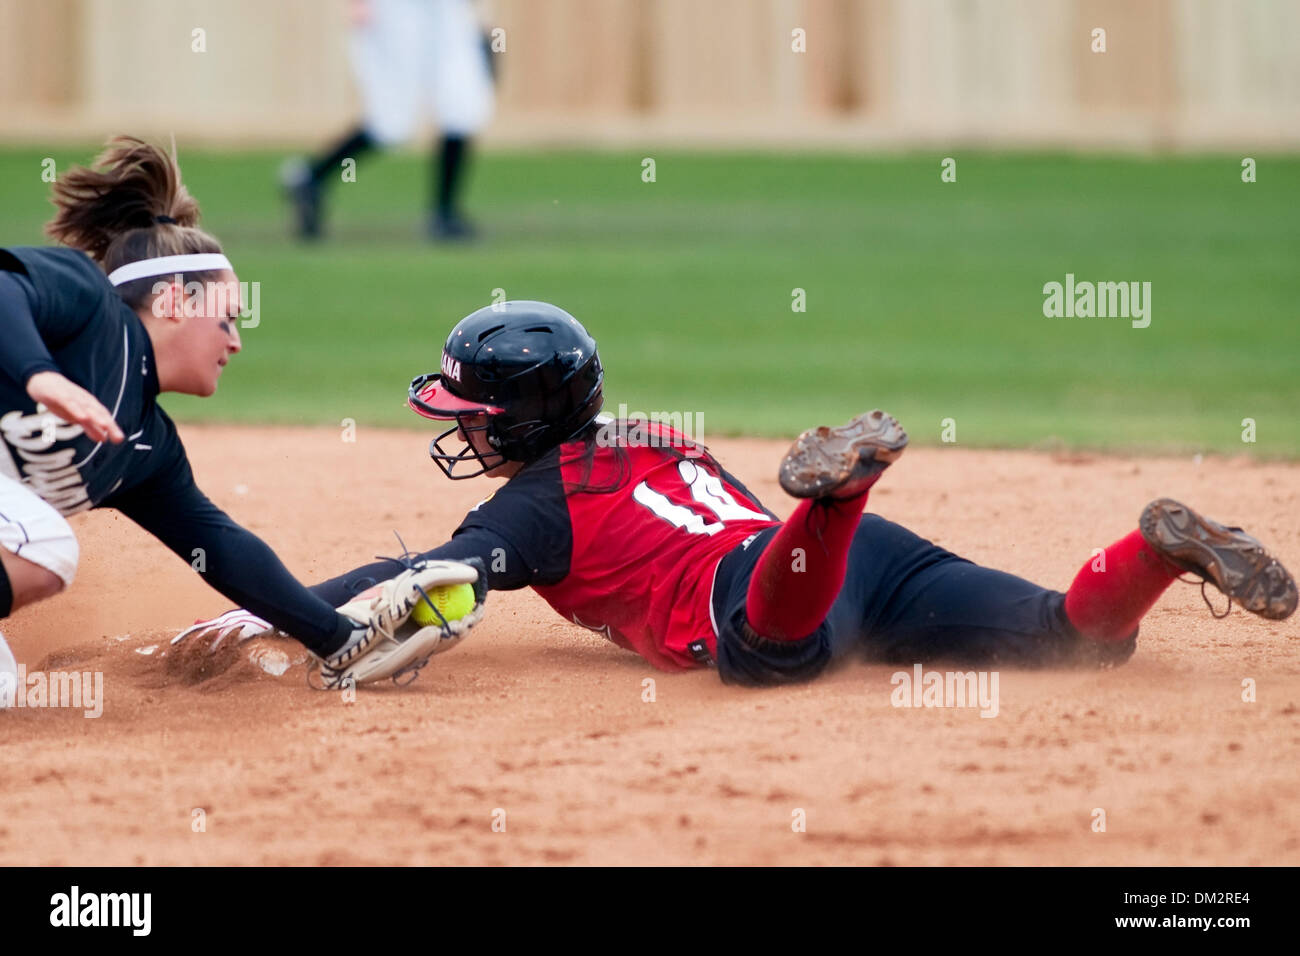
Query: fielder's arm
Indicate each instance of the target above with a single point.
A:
(235, 561)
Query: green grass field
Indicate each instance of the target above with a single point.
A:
(923, 298)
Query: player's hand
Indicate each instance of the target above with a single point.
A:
(240, 624)
(69, 401)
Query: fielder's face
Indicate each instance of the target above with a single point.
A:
(209, 335)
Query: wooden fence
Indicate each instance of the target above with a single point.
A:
(1174, 74)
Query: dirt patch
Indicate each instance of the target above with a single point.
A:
(537, 723)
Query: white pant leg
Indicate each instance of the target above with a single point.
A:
(32, 529)
(8, 675)
(387, 58)
(457, 80)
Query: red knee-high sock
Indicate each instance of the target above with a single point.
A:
(1109, 597)
(801, 570)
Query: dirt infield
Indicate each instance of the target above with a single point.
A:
(542, 720)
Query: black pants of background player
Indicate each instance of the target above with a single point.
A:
(446, 220)
(904, 600)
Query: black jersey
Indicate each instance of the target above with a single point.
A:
(58, 312)
(81, 328)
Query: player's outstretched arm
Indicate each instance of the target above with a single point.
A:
(395, 641)
(232, 559)
(76, 406)
(372, 637)
(504, 566)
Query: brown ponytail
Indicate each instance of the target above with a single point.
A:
(130, 205)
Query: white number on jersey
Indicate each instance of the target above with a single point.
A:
(706, 489)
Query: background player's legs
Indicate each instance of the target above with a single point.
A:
(448, 170)
(354, 143)
(386, 52)
(305, 181)
(458, 79)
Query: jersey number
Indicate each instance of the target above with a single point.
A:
(706, 489)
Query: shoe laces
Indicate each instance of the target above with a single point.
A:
(406, 560)
(1206, 598)
(409, 673)
(330, 679)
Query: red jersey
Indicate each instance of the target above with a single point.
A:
(624, 540)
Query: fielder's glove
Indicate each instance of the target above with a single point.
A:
(387, 643)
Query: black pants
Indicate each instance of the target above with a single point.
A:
(904, 600)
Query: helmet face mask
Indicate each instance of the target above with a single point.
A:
(524, 375)
(449, 460)
(455, 463)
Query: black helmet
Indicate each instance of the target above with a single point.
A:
(530, 367)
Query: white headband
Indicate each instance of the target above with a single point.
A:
(164, 265)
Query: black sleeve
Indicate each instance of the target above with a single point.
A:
(234, 560)
(531, 512)
(506, 568)
(69, 290)
(521, 532)
(24, 353)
